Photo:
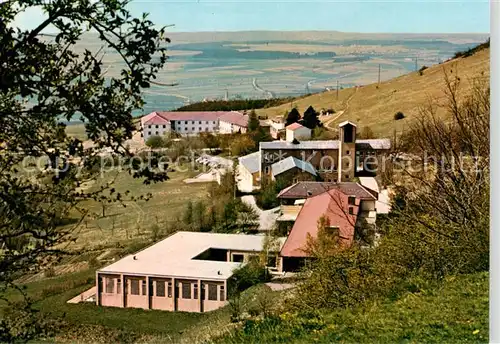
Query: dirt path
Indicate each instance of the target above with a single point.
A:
(341, 112)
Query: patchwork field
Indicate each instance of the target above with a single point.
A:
(206, 65)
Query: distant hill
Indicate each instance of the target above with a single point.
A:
(375, 105)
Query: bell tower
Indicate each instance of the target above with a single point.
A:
(347, 151)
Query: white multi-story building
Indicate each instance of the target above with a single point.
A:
(193, 123)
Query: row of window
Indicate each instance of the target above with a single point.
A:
(164, 288)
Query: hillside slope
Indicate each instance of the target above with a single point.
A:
(375, 106)
(454, 312)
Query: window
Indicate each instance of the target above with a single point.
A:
(347, 152)
(186, 290)
(238, 258)
(199, 122)
(333, 231)
(160, 288)
(134, 287)
(199, 129)
(271, 261)
(156, 126)
(143, 287)
(118, 286)
(346, 176)
(195, 291)
(206, 129)
(351, 200)
(156, 133)
(267, 169)
(164, 126)
(351, 211)
(193, 128)
(212, 292)
(222, 293)
(149, 133)
(110, 285)
(169, 290)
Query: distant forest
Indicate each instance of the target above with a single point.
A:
(237, 104)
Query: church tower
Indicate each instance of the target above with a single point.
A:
(347, 152)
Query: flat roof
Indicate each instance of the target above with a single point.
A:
(326, 144)
(174, 255)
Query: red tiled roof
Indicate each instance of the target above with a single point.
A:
(153, 118)
(309, 189)
(294, 126)
(334, 205)
(236, 118)
(191, 115)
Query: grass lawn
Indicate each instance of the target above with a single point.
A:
(454, 312)
(135, 222)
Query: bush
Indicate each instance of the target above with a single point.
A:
(399, 115)
(421, 70)
(155, 142)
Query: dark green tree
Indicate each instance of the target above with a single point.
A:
(310, 119)
(188, 217)
(293, 116)
(46, 82)
(253, 122)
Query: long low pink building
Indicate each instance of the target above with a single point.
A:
(187, 271)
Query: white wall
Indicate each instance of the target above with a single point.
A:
(155, 130)
(300, 133)
(228, 128)
(191, 127)
(245, 180)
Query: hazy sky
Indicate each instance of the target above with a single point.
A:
(418, 16)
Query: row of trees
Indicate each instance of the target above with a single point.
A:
(223, 212)
(310, 119)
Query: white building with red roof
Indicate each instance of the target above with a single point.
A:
(233, 122)
(192, 123)
(297, 131)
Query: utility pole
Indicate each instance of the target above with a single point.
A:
(416, 63)
(337, 90)
(379, 73)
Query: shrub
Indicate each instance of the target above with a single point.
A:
(421, 70)
(155, 142)
(399, 115)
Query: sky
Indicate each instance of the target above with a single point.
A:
(367, 16)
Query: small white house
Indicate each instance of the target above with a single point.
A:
(276, 125)
(248, 172)
(297, 131)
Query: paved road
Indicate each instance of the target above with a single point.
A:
(267, 218)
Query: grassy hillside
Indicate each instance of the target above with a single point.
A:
(454, 312)
(375, 105)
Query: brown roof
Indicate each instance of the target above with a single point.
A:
(334, 205)
(235, 118)
(310, 189)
